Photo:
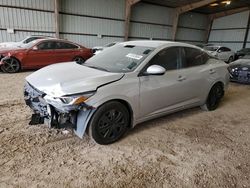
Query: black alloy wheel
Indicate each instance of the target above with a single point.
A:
(109, 123)
(11, 65)
(214, 97)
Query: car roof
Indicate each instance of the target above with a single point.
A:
(157, 43)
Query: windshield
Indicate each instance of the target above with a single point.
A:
(211, 48)
(28, 45)
(119, 58)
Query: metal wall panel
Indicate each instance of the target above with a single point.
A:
(77, 24)
(150, 31)
(90, 41)
(185, 34)
(26, 19)
(102, 8)
(152, 13)
(238, 20)
(194, 20)
(230, 30)
(227, 35)
(18, 36)
(36, 4)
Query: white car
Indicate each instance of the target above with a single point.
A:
(125, 85)
(22, 42)
(222, 53)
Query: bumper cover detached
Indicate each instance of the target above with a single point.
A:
(76, 117)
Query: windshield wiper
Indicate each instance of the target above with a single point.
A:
(99, 68)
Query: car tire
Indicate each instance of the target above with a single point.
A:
(230, 59)
(79, 60)
(214, 97)
(109, 123)
(11, 65)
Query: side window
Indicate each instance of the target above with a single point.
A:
(47, 45)
(194, 57)
(64, 45)
(168, 58)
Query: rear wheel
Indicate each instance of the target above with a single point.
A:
(214, 97)
(11, 65)
(79, 60)
(109, 123)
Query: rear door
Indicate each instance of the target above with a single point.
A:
(196, 71)
(65, 51)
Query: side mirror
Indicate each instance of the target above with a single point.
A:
(155, 70)
(219, 51)
(35, 48)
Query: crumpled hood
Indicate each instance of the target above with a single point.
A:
(70, 78)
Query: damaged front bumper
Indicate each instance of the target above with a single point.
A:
(55, 114)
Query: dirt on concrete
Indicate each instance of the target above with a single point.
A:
(192, 148)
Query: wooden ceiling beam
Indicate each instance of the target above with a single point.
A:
(129, 4)
(227, 12)
(187, 8)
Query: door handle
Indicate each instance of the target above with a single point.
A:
(212, 71)
(181, 78)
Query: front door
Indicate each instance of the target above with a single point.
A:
(159, 93)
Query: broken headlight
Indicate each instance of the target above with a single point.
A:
(70, 99)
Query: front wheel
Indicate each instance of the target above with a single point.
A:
(214, 97)
(11, 65)
(109, 123)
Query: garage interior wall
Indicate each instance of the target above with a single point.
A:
(96, 22)
(26, 17)
(230, 31)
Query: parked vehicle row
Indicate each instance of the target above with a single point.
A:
(125, 85)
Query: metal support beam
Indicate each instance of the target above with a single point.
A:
(208, 31)
(187, 8)
(129, 4)
(247, 32)
(56, 14)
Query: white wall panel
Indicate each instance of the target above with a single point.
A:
(230, 30)
(19, 35)
(238, 20)
(191, 35)
(152, 13)
(193, 20)
(103, 8)
(150, 31)
(91, 25)
(90, 41)
(36, 4)
(227, 35)
(26, 19)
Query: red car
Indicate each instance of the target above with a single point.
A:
(40, 53)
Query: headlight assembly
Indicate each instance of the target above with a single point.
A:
(69, 100)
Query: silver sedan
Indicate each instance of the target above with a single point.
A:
(127, 84)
